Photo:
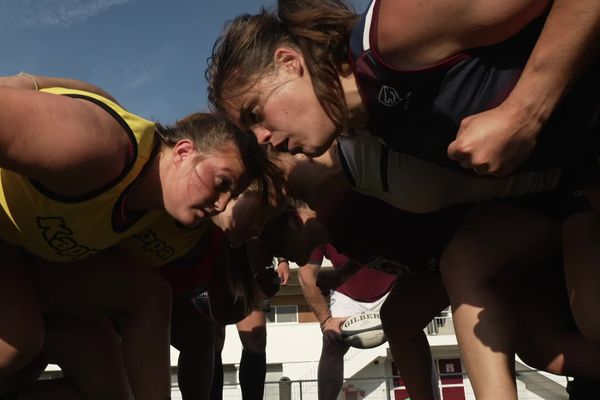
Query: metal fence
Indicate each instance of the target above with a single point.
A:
(530, 387)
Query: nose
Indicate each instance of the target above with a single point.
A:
(263, 135)
(222, 201)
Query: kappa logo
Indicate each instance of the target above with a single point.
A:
(154, 244)
(389, 97)
(61, 238)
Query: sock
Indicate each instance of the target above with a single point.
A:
(253, 369)
(216, 390)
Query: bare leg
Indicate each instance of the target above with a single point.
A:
(26, 376)
(548, 338)
(413, 302)
(49, 389)
(253, 331)
(21, 323)
(88, 350)
(494, 238)
(108, 285)
(582, 272)
(331, 369)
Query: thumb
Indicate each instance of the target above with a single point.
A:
(453, 151)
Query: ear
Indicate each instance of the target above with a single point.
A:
(290, 60)
(182, 150)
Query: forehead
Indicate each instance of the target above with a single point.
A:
(240, 103)
(225, 159)
(237, 95)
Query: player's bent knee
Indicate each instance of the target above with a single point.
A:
(589, 326)
(18, 353)
(255, 341)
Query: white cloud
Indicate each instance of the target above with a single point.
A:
(131, 76)
(41, 13)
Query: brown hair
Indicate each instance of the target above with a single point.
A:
(211, 132)
(244, 53)
(241, 280)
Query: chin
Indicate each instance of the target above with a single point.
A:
(189, 221)
(319, 149)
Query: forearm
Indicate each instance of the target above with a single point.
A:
(565, 47)
(317, 304)
(312, 293)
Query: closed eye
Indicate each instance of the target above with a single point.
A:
(250, 116)
(223, 184)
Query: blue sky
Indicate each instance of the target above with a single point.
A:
(150, 54)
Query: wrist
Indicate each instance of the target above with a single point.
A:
(324, 322)
(30, 78)
(534, 98)
(527, 113)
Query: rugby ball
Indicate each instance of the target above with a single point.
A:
(363, 330)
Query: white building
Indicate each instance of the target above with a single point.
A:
(294, 346)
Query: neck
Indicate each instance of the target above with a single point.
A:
(357, 114)
(146, 191)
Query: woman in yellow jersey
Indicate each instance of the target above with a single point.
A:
(210, 281)
(78, 173)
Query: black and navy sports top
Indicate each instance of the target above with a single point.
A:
(418, 112)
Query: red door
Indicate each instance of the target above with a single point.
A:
(452, 380)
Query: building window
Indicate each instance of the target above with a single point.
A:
(282, 314)
(230, 375)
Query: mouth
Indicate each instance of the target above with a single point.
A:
(283, 146)
(297, 150)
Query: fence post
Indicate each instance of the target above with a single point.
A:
(285, 388)
(387, 388)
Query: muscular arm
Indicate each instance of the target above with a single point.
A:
(49, 138)
(29, 81)
(307, 275)
(498, 140)
(567, 43)
(405, 42)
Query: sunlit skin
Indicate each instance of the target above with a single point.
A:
(246, 216)
(282, 109)
(197, 187)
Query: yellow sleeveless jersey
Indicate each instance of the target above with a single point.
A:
(65, 229)
(163, 241)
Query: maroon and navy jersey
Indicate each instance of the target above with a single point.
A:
(377, 235)
(418, 112)
(366, 285)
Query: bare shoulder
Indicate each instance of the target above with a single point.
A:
(71, 145)
(416, 34)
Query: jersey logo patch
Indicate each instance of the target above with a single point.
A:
(154, 244)
(389, 97)
(60, 237)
